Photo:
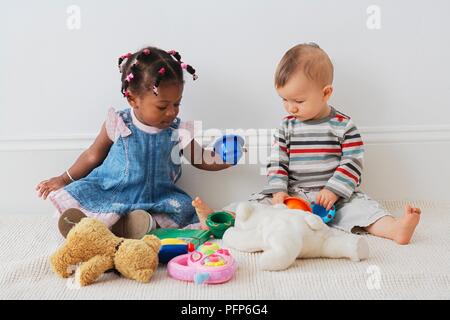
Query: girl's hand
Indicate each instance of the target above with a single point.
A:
(326, 198)
(279, 197)
(47, 186)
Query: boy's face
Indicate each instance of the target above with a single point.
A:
(161, 110)
(303, 98)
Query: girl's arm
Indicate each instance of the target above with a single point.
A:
(204, 159)
(86, 162)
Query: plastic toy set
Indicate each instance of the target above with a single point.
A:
(302, 204)
(175, 242)
(219, 222)
(190, 256)
(208, 264)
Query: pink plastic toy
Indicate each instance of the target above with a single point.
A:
(208, 264)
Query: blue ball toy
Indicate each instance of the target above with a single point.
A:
(230, 147)
(322, 212)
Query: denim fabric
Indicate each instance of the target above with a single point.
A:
(138, 173)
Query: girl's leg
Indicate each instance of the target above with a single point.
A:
(398, 229)
(68, 219)
(203, 211)
(134, 225)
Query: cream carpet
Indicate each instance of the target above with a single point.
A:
(420, 270)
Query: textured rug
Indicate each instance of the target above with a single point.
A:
(420, 270)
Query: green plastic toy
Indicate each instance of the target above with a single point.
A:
(194, 236)
(219, 222)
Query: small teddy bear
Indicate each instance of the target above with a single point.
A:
(99, 250)
(286, 234)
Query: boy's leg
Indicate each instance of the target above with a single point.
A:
(398, 229)
(356, 213)
(361, 213)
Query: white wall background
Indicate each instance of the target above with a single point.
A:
(56, 82)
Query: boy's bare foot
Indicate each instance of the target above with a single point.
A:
(407, 224)
(203, 211)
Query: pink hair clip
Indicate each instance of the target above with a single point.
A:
(146, 52)
(126, 55)
(171, 52)
(184, 65)
(129, 77)
(126, 93)
(162, 71)
(155, 90)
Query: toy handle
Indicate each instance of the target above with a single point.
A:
(230, 147)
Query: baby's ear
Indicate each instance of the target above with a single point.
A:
(152, 241)
(132, 100)
(327, 91)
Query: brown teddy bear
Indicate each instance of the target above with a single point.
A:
(99, 250)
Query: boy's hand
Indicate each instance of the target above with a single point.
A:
(47, 186)
(279, 197)
(326, 198)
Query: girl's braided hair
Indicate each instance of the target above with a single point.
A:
(145, 70)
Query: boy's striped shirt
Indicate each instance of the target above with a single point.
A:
(316, 153)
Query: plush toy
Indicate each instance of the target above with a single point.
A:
(285, 234)
(99, 250)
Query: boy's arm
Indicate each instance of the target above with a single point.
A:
(278, 164)
(348, 174)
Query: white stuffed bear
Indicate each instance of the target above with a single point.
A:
(285, 234)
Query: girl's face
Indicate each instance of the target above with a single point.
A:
(161, 110)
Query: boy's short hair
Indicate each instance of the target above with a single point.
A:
(308, 58)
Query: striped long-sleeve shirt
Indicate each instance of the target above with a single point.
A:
(325, 153)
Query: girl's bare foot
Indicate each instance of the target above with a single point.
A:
(203, 211)
(407, 224)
